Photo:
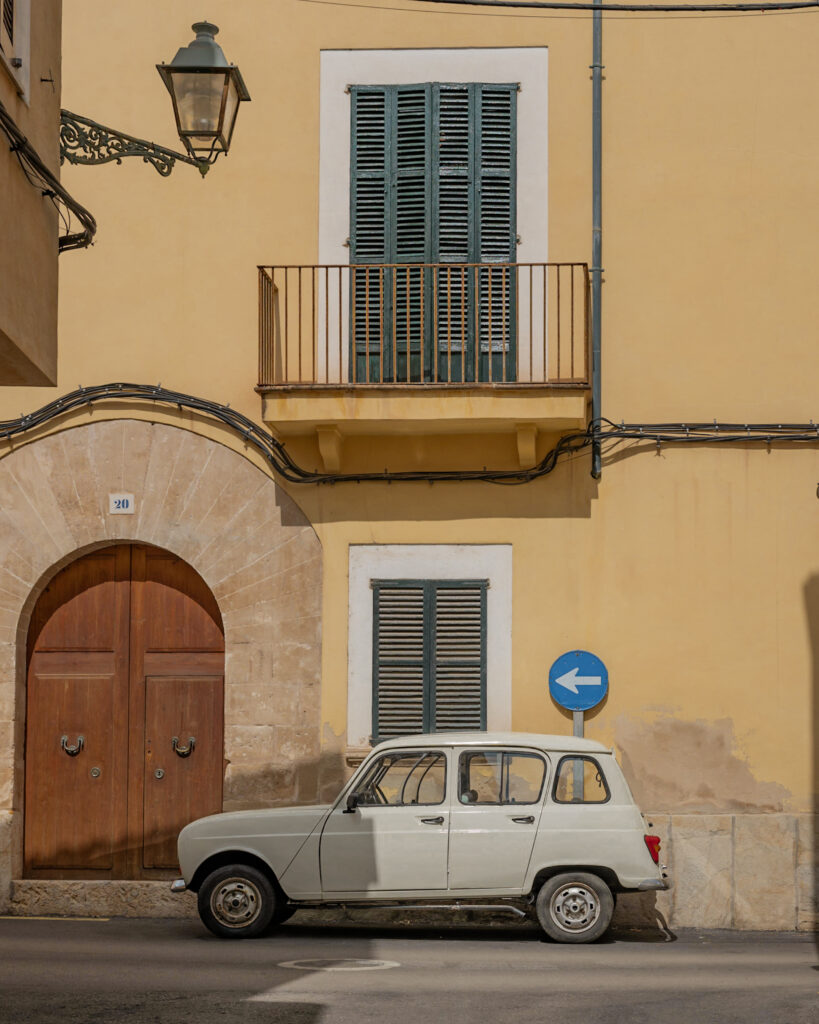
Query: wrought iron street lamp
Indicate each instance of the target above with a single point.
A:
(206, 92)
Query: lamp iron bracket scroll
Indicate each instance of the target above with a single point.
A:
(83, 141)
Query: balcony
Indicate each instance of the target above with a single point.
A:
(423, 350)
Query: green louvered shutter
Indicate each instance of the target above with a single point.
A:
(411, 214)
(368, 224)
(429, 656)
(497, 231)
(400, 657)
(459, 656)
(453, 171)
(474, 173)
(390, 223)
(433, 180)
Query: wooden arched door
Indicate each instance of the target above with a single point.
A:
(124, 726)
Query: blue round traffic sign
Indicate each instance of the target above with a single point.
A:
(578, 681)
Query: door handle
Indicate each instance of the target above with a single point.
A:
(183, 751)
(433, 821)
(528, 819)
(72, 751)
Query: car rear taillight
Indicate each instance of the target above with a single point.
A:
(653, 844)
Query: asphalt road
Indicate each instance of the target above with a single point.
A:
(154, 972)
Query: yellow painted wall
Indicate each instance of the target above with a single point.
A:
(692, 572)
(28, 222)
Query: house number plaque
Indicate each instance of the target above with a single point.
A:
(121, 504)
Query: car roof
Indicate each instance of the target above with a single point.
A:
(542, 741)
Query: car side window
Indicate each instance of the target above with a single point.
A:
(580, 780)
(404, 777)
(500, 777)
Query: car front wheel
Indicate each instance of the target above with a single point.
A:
(574, 907)
(237, 901)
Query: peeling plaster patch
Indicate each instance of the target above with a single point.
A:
(691, 766)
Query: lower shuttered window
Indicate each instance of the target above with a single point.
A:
(429, 656)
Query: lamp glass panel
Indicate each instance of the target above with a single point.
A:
(199, 103)
(231, 108)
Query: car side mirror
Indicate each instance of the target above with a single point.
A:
(352, 803)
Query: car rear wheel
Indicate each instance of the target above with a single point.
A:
(237, 901)
(574, 907)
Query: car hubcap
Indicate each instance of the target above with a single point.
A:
(575, 908)
(236, 902)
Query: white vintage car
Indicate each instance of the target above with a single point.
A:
(495, 821)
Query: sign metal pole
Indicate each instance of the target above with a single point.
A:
(577, 779)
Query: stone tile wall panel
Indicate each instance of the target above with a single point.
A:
(703, 859)
(764, 876)
(807, 873)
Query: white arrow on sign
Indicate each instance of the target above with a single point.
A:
(571, 680)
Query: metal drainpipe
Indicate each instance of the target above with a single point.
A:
(597, 228)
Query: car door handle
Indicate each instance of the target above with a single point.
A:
(433, 821)
(529, 819)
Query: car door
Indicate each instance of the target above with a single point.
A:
(395, 839)
(496, 805)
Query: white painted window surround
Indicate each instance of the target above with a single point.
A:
(369, 562)
(527, 66)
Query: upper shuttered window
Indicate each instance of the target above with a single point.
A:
(429, 656)
(433, 174)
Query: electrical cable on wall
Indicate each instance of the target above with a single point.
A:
(277, 457)
(41, 178)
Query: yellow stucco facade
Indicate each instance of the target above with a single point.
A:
(692, 570)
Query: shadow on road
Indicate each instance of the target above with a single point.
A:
(471, 926)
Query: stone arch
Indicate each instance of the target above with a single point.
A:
(235, 526)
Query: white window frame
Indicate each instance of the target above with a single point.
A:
(368, 562)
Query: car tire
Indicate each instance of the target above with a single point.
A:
(237, 901)
(574, 907)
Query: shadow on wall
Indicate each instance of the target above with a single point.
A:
(285, 783)
(812, 616)
(306, 783)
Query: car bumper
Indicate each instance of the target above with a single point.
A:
(655, 884)
(178, 885)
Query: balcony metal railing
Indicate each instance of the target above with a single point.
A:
(416, 324)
